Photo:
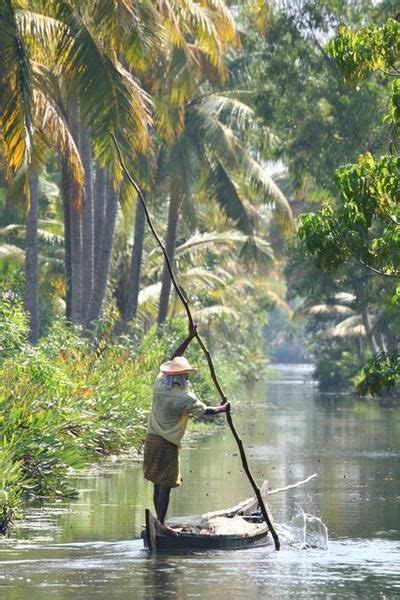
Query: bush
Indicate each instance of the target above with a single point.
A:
(11, 478)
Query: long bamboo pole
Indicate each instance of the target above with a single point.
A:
(213, 374)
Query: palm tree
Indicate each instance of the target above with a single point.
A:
(196, 37)
(89, 73)
(165, 44)
(346, 316)
(210, 153)
(30, 123)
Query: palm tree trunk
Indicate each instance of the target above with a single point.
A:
(87, 224)
(383, 344)
(76, 262)
(104, 259)
(358, 349)
(72, 228)
(67, 242)
(366, 319)
(136, 264)
(170, 243)
(99, 203)
(31, 295)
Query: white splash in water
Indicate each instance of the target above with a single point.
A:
(304, 531)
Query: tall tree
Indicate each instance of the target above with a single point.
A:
(88, 230)
(135, 264)
(213, 151)
(30, 119)
(101, 276)
(31, 297)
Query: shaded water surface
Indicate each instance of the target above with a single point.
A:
(91, 548)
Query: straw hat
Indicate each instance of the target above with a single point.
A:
(177, 366)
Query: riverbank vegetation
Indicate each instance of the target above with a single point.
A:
(66, 402)
(205, 100)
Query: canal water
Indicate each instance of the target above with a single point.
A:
(91, 547)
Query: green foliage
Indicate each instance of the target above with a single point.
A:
(364, 225)
(317, 232)
(319, 122)
(68, 401)
(368, 49)
(335, 366)
(336, 306)
(380, 374)
(11, 481)
(13, 326)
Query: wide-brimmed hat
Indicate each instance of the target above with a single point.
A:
(177, 366)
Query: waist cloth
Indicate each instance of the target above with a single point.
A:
(161, 461)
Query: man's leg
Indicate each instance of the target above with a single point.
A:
(155, 496)
(162, 502)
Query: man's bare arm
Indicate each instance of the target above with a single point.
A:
(216, 410)
(179, 351)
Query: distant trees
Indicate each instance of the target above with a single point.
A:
(364, 225)
(320, 123)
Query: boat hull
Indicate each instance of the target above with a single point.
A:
(156, 541)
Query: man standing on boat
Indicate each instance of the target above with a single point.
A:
(173, 404)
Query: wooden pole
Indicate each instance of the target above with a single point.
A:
(223, 397)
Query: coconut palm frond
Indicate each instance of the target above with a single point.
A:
(350, 327)
(255, 248)
(183, 166)
(146, 40)
(8, 251)
(260, 13)
(199, 243)
(122, 107)
(236, 114)
(49, 230)
(199, 278)
(266, 186)
(328, 309)
(223, 190)
(231, 157)
(213, 28)
(40, 28)
(134, 106)
(151, 292)
(50, 237)
(11, 229)
(277, 298)
(209, 240)
(49, 190)
(16, 83)
(345, 297)
(219, 139)
(127, 199)
(53, 126)
(169, 119)
(205, 315)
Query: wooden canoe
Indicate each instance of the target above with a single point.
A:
(234, 528)
(239, 527)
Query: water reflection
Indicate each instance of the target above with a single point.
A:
(91, 547)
